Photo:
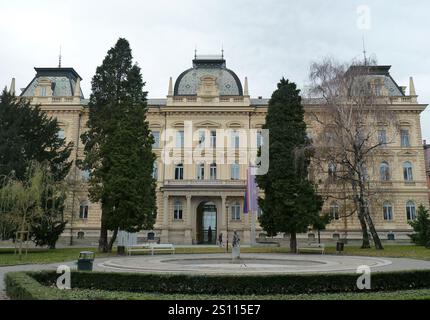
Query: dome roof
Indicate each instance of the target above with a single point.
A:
(227, 81)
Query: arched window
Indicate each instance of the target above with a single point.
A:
(334, 210)
(407, 171)
(201, 171)
(384, 171)
(410, 210)
(387, 209)
(332, 171)
(83, 210)
(235, 211)
(179, 171)
(177, 210)
(212, 172)
(155, 171)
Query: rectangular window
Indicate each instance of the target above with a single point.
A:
(382, 137)
(200, 171)
(235, 140)
(213, 139)
(43, 91)
(404, 136)
(177, 211)
(213, 171)
(179, 172)
(235, 212)
(259, 139)
(235, 171)
(201, 138)
(85, 175)
(156, 135)
(180, 139)
(61, 134)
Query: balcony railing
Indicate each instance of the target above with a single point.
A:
(195, 182)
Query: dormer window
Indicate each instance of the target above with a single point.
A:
(42, 91)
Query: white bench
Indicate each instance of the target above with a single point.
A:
(138, 248)
(162, 247)
(319, 247)
(150, 247)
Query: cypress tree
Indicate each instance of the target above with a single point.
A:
(118, 146)
(290, 204)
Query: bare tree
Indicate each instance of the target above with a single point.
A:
(351, 116)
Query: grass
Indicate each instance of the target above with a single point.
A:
(45, 256)
(85, 294)
(393, 251)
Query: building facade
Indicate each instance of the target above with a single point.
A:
(206, 132)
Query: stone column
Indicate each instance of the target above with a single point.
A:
(223, 213)
(188, 237)
(165, 230)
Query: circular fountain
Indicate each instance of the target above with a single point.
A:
(247, 264)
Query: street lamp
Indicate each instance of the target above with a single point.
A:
(226, 212)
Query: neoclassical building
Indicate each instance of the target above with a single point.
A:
(206, 131)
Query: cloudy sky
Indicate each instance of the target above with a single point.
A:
(263, 40)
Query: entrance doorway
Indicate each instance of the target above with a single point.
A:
(206, 223)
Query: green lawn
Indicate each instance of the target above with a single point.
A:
(45, 256)
(86, 294)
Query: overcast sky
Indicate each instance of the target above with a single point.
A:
(263, 40)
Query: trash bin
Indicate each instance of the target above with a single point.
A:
(121, 250)
(339, 246)
(85, 261)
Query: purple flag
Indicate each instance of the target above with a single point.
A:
(251, 193)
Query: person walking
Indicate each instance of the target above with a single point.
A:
(220, 240)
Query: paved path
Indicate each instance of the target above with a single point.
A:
(149, 264)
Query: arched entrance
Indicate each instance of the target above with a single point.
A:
(206, 226)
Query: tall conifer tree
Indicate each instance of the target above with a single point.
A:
(290, 204)
(118, 147)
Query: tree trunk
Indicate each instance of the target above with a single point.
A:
(366, 243)
(112, 240)
(293, 242)
(103, 240)
(372, 229)
(360, 210)
(319, 236)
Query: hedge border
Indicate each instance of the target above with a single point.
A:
(41, 285)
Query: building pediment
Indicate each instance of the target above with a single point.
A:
(407, 153)
(207, 124)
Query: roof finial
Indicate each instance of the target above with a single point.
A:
(12, 87)
(170, 92)
(364, 53)
(222, 50)
(412, 91)
(195, 52)
(59, 59)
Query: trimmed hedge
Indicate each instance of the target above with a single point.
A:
(234, 285)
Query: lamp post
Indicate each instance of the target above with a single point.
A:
(226, 212)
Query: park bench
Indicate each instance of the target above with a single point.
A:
(150, 247)
(318, 247)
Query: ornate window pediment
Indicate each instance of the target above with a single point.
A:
(207, 124)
